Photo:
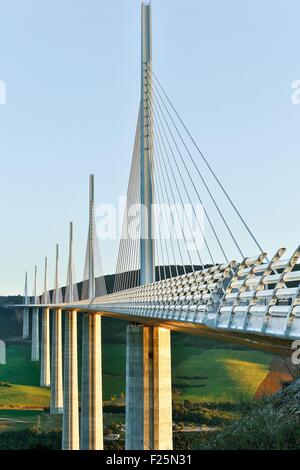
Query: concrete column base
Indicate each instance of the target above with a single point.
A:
(91, 430)
(45, 350)
(148, 389)
(25, 323)
(56, 406)
(70, 428)
(35, 347)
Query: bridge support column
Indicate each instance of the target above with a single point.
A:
(25, 323)
(91, 430)
(35, 348)
(45, 350)
(148, 389)
(70, 428)
(56, 406)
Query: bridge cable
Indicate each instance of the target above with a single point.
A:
(160, 140)
(160, 198)
(206, 186)
(206, 163)
(156, 127)
(159, 230)
(195, 189)
(184, 185)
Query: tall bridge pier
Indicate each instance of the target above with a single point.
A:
(26, 310)
(70, 428)
(45, 344)
(56, 405)
(148, 388)
(35, 346)
(91, 426)
(45, 349)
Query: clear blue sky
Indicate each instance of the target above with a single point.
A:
(72, 74)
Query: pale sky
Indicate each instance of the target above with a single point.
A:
(72, 75)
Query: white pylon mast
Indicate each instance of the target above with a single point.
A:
(46, 297)
(57, 298)
(26, 296)
(146, 158)
(91, 255)
(71, 289)
(35, 296)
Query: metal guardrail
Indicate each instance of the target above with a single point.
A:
(253, 297)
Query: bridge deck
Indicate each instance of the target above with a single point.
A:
(255, 302)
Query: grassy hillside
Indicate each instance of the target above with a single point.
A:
(203, 370)
(217, 375)
(206, 375)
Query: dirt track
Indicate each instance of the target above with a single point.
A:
(279, 372)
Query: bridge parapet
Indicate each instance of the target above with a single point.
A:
(255, 296)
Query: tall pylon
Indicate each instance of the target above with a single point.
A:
(93, 279)
(71, 294)
(46, 295)
(57, 292)
(56, 405)
(148, 349)
(45, 342)
(146, 152)
(91, 430)
(70, 427)
(26, 310)
(35, 347)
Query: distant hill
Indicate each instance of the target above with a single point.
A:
(10, 323)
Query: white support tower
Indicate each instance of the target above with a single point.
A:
(56, 406)
(26, 310)
(35, 347)
(70, 428)
(45, 340)
(146, 155)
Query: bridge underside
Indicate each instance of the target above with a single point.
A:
(253, 341)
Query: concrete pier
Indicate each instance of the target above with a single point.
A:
(148, 389)
(35, 349)
(91, 431)
(70, 429)
(56, 406)
(25, 323)
(45, 350)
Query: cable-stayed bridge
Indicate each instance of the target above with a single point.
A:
(181, 266)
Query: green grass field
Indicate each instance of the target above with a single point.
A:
(206, 375)
(213, 375)
(18, 420)
(217, 375)
(23, 375)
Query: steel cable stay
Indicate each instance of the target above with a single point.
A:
(159, 136)
(161, 177)
(135, 198)
(160, 194)
(160, 144)
(129, 234)
(206, 186)
(203, 158)
(161, 233)
(196, 191)
(185, 186)
(131, 187)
